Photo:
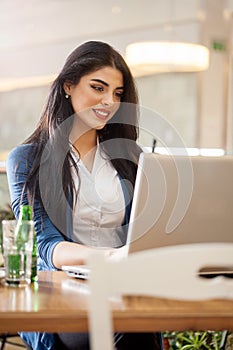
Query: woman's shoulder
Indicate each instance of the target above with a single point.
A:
(23, 149)
(23, 152)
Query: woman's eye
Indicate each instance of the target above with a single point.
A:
(119, 94)
(97, 88)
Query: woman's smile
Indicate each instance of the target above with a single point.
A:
(101, 113)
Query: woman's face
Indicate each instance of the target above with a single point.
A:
(96, 98)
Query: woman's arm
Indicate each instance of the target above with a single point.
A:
(18, 165)
(69, 253)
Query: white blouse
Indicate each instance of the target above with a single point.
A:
(100, 207)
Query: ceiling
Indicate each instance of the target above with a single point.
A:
(37, 35)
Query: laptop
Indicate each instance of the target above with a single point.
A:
(179, 200)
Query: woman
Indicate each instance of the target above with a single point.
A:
(78, 170)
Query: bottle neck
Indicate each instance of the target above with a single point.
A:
(25, 212)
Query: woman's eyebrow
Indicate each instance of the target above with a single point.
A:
(104, 83)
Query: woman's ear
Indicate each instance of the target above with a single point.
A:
(66, 87)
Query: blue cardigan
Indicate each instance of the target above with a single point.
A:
(18, 165)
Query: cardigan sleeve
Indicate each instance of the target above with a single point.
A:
(18, 165)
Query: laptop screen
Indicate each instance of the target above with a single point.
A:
(181, 200)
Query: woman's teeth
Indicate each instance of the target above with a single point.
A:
(101, 113)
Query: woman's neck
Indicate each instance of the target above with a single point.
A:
(83, 139)
(86, 143)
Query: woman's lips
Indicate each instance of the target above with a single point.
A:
(102, 114)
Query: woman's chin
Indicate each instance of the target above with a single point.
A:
(100, 125)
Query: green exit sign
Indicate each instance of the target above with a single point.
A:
(218, 46)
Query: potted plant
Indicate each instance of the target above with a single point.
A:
(195, 340)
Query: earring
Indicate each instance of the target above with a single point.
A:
(67, 96)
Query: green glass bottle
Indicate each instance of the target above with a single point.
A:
(34, 277)
(26, 214)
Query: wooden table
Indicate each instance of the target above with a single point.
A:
(59, 304)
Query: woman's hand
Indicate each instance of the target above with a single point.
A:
(116, 254)
(70, 253)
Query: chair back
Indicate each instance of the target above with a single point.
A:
(168, 272)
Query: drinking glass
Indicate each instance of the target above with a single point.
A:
(17, 251)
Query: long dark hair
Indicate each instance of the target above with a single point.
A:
(49, 136)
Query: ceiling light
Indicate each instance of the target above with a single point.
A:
(146, 58)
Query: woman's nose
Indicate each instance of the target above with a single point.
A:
(108, 100)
